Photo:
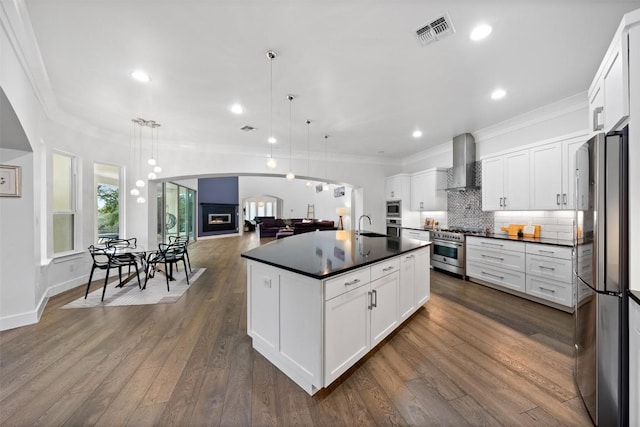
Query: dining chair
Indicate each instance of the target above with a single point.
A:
(104, 259)
(167, 254)
(185, 241)
(131, 243)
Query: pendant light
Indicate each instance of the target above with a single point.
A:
(271, 162)
(134, 191)
(325, 185)
(139, 181)
(308, 184)
(290, 175)
(154, 126)
(157, 168)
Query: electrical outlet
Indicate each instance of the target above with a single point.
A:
(267, 282)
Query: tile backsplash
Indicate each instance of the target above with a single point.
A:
(464, 208)
(553, 224)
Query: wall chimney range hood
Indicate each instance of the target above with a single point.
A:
(464, 158)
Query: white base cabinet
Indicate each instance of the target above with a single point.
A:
(314, 330)
(537, 271)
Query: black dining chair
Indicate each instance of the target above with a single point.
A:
(120, 244)
(104, 259)
(185, 241)
(167, 254)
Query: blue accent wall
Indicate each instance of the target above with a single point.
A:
(223, 191)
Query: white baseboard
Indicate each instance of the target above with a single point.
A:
(33, 316)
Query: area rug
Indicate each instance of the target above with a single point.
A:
(130, 294)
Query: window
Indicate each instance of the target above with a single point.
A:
(107, 214)
(63, 203)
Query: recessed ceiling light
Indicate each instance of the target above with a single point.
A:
(237, 109)
(141, 76)
(417, 134)
(498, 94)
(480, 32)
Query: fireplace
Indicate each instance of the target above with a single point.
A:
(219, 217)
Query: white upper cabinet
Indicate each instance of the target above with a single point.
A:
(427, 190)
(552, 169)
(505, 182)
(398, 187)
(546, 177)
(609, 91)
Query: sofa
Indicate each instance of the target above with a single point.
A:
(312, 225)
(269, 227)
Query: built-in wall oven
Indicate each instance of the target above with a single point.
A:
(394, 209)
(393, 227)
(448, 251)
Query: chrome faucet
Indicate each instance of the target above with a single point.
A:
(359, 223)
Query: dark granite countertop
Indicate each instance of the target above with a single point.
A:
(635, 296)
(542, 240)
(322, 254)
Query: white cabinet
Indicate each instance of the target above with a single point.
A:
(505, 182)
(552, 169)
(549, 273)
(634, 363)
(422, 276)
(384, 306)
(346, 331)
(428, 190)
(398, 187)
(498, 262)
(416, 234)
(609, 91)
(406, 299)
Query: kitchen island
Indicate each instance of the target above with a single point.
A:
(318, 302)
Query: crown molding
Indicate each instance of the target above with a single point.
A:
(539, 115)
(443, 148)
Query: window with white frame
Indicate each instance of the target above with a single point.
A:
(107, 214)
(63, 202)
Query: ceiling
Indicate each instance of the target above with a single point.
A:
(355, 67)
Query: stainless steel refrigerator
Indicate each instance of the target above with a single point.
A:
(601, 268)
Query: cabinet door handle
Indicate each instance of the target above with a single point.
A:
(546, 268)
(492, 244)
(387, 269)
(494, 257)
(501, 202)
(370, 295)
(353, 282)
(597, 124)
(558, 199)
(408, 257)
(374, 303)
(505, 202)
(547, 252)
(493, 275)
(553, 291)
(564, 198)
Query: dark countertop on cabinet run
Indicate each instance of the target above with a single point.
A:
(322, 254)
(635, 296)
(542, 240)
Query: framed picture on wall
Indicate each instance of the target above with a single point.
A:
(338, 192)
(10, 185)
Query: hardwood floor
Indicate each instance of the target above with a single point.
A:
(471, 356)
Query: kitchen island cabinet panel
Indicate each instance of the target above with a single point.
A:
(407, 293)
(347, 336)
(384, 307)
(422, 276)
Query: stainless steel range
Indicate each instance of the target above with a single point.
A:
(448, 249)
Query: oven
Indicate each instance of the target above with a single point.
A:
(448, 253)
(393, 227)
(394, 209)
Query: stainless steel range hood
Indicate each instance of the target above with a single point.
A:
(464, 157)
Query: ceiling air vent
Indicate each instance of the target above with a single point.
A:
(435, 30)
(247, 128)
